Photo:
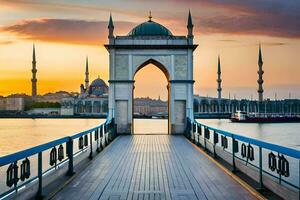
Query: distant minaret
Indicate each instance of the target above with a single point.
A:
(219, 80)
(260, 80)
(111, 30)
(34, 71)
(87, 73)
(190, 27)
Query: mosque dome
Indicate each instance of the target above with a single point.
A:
(98, 83)
(98, 87)
(150, 28)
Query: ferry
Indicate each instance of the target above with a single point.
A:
(245, 117)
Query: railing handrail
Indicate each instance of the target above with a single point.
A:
(7, 159)
(273, 147)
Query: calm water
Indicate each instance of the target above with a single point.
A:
(151, 126)
(19, 134)
(286, 134)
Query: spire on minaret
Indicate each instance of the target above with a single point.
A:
(150, 16)
(260, 55)
(190, 27)
(260, 72)
(219, 80)
(87, 73)
(33, 54)
(110, 29)
(34, 71)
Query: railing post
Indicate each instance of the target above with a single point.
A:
(70, 156)
(40, 175)
(98, 138)
(260, 170)
(91, 144)
(233, 155)
(204, 139)
(215, 142)
(16, 176)
(299, 182)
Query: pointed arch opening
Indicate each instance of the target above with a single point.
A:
(151, 98)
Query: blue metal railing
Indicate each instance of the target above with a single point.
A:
(278, 162)
(18, 176)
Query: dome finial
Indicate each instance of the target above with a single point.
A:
(150, 16)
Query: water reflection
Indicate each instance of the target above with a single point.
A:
(151, 126)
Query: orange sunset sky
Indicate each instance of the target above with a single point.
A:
(66, 31)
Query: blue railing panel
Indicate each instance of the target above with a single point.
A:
(29, 152)
(274, 147)
(59, 155)
(253, 153)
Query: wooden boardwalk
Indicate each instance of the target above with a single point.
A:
(152, 167)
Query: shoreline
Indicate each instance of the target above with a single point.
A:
(52, 117)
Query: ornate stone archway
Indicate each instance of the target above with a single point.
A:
(148, 43)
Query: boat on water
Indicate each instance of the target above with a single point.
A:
(245, 117)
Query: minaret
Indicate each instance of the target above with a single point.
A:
(87, 73)
(34, 71)
(219, 80)
(111, 30)
(190, 27)
(260, 80)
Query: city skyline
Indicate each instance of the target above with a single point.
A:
(61, 64)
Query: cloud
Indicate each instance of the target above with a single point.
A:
(65, 30)
(228, 40)
(253, 17)
(274, 43)
(275, 18)
(250, 25)
(6, 42)
(69, 6)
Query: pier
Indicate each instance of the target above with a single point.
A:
(99, 164)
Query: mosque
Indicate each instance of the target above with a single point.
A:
(92, 99)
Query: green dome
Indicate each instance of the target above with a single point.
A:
(150, 28)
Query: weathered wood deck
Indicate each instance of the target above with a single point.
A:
(152, 167)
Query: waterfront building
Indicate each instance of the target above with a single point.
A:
(229, 106)
(12, 104)
(44, 111)
(54, 97)
(150, 107)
